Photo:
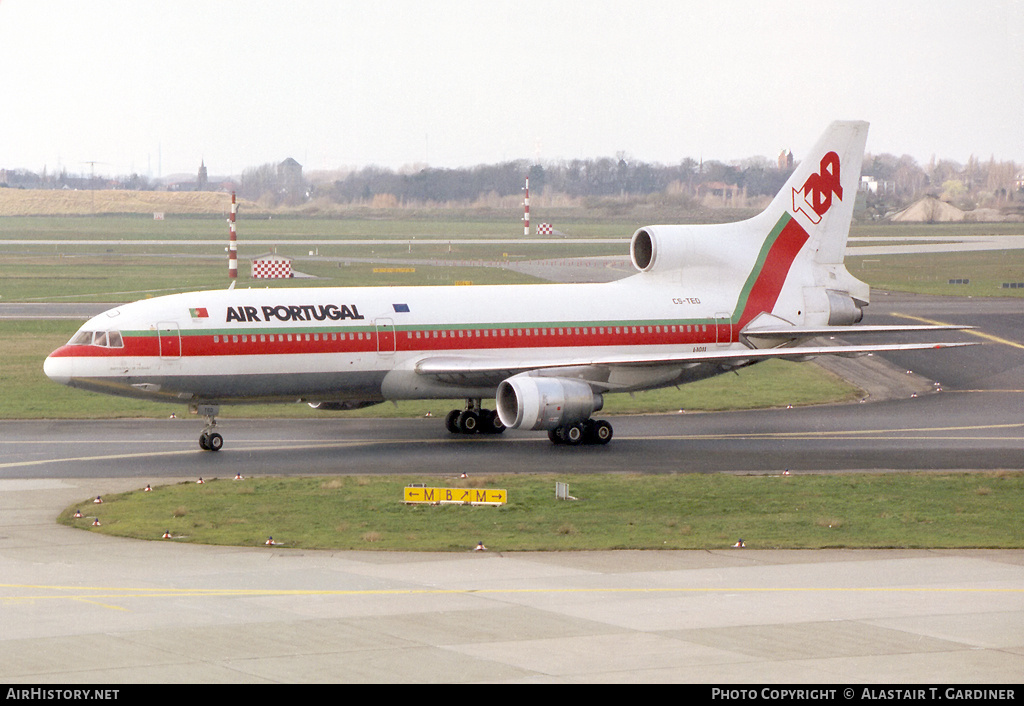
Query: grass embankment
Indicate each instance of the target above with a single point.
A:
(694, 511)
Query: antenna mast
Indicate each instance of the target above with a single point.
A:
(232, 241)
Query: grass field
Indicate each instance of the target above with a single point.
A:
(612, 511)
(930, 274)
(127, 268)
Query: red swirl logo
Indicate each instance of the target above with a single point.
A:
(814, 198)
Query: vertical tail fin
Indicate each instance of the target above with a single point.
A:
(786, 261)
(817, 203)
(820, 193)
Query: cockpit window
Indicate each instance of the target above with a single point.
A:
(103, 339)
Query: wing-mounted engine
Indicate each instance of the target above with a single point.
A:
(528, 402)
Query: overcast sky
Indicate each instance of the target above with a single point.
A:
(155, 86)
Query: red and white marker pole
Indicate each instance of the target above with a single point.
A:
(232, 241)
(526, 205)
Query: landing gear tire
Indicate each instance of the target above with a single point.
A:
(599, 432)
(473, 420)
(451, 422)
(469, 422)
(490, 422)
(572, 435)
(211, 441)
(591, 432)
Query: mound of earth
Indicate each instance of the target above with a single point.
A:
(45, 202)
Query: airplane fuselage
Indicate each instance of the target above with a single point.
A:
(335, 344)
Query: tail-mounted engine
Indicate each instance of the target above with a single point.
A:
(655, 248)
(526, 402)
(660, 249)
(843, 310)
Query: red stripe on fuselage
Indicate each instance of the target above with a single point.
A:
(766, 289)
(425, 340)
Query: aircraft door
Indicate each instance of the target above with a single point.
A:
(169, 339)
(385, 336)
(723, 329)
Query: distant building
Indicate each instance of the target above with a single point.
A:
(870, 185)
(785, 161)
(718, 189)
(290, 181)
(201, 181)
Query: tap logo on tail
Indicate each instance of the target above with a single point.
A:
(814, 198)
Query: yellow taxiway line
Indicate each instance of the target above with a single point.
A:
(973, 332)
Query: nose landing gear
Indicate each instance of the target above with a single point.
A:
(209, 439)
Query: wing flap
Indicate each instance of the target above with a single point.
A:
(481, 368)
(814, 332)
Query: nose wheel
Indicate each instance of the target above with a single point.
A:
(209, 439)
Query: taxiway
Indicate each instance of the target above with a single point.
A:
(84, 608)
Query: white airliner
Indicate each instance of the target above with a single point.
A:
(706, 299)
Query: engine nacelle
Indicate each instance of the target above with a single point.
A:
(831, 307)
(842, 309)
(526, 402)
(659, 249)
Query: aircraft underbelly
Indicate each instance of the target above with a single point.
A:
(251, 387)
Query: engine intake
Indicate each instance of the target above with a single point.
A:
(663, 248)
(526, 402)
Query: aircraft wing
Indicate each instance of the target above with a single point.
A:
(811, 332)
(491, 370)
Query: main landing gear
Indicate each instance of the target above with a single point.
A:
(209, 439)
(473, 420)
(590, 431)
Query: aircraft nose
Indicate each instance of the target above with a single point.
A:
(58, 368)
